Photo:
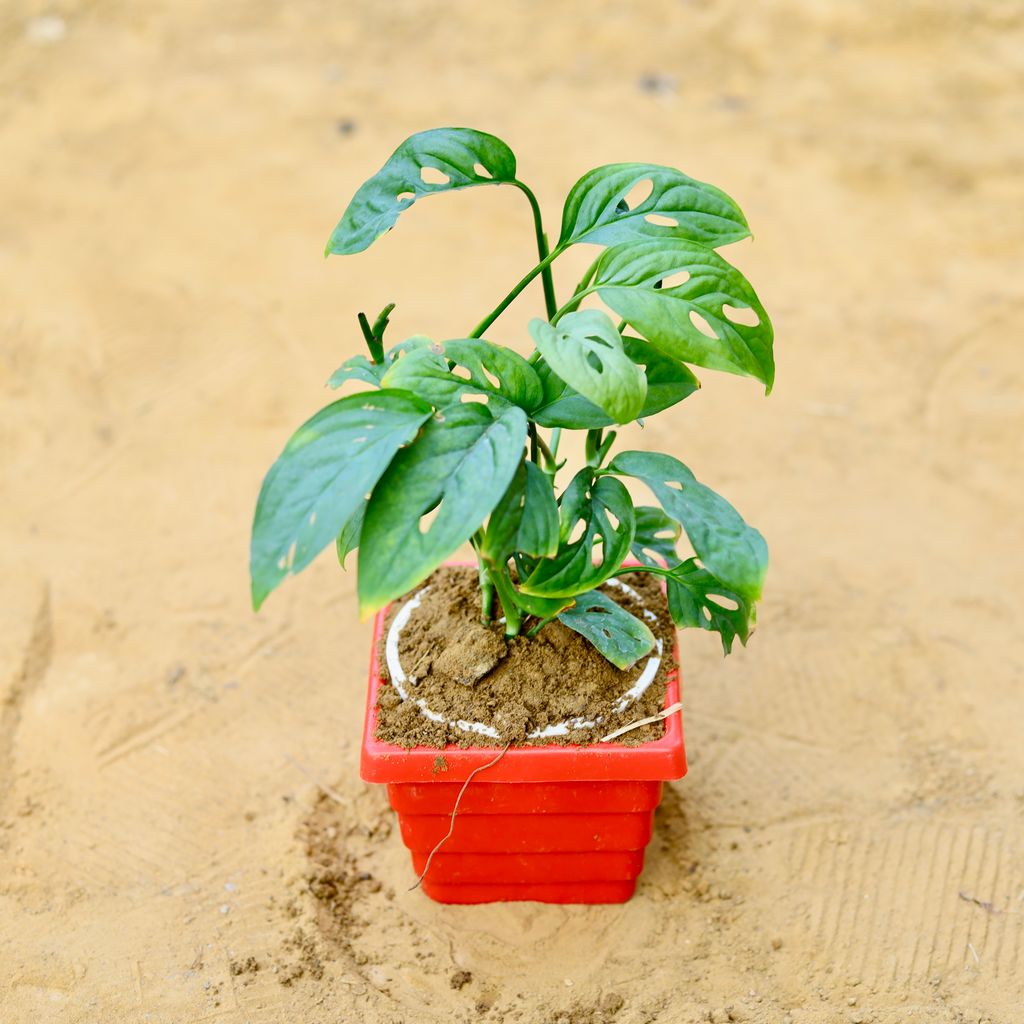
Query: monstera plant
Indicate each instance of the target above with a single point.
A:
(457, 439)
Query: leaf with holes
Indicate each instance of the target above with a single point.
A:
(595, 518)
(656, 536)
(668, 382)
(729, 549)
(713, 318)
(525, 520)
(621, 637)
(665, 203)
(696, 599)
(457, 469)
(320, 480)
(485, 369)
(439, 160)
(585, 350)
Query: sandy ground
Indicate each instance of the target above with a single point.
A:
(847, 846)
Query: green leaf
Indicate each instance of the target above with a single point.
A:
(729, 549)
(491, 370)
(348, 540)
(321, 478)
(606, 512)
(656, 536)
(358, 368)
(541, 607)
(627, 280)
(467, 157)
(458, 469)
(525, 520)
(596, 210)
(696, 599)
(586, 351)
(622, 638)
(668, 382)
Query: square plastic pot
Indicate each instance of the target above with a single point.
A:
(556, 824)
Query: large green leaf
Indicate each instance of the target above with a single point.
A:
(729, 549)
(320, 480)
(622, 638)
(655, 537)
(668, 382)
(457, 469)
(490, 370)
(467, 157)
(586, 351)
(677, 207)
(629, 279)
(697, 599)
(604, 508)
(525, 520)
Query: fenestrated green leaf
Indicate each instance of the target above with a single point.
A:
(622, 638)
(626, 277)
(320, 480)
(467, 157)
(358, 368)
(586, 351)
(457, 469)
(697, 599)
(677, 207)
(668, 382)
(604, 508)
(492, 371)
(525, 520)
(656, 536)
(728, 548)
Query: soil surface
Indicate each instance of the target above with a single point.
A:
(183, 834)
(467, 671)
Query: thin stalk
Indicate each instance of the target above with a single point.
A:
(556, 438)
(588, 276)
(550, 302)
(593, 446)
(507, 301)
(506, 596)
(540, 625)
(534, 439)
(571, 304)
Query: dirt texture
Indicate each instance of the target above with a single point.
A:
(467, 671)
(847, 847)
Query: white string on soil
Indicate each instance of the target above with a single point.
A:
(399, 679)
(455, 810)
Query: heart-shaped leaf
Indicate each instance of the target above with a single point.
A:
(697, 599)
(439, 160)
(622, 638)
(455, 473)
(668, 382)
(677, 206)
(320, 480)
(604, 509)
(525, 520)
(586, 351)
(699, 321)
(490, 370)
(656, 536)
(729, 549)
(348, 540)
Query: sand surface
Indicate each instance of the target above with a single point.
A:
(847, 846)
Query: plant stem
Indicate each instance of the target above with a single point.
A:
(593, 446)
(486, 592)
(534, 439)
(507, 301)
(506, 596)
(588, 275)
(571, 304)
(550, 302)
(556, 437)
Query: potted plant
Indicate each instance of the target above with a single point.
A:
(459, 441)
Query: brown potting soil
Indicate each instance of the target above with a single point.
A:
(466, 670)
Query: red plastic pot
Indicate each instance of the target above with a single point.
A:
(557, 824)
